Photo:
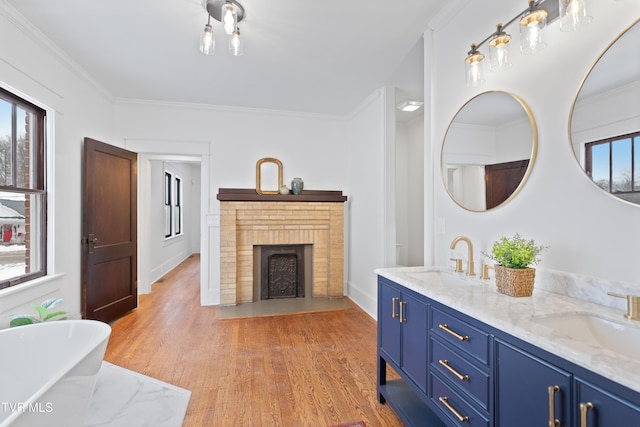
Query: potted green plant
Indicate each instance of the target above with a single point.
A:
(514, 256)
(43, 314)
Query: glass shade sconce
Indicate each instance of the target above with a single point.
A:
(573, 14)
(473, 67)
(499, 50)
(532, 24)
(533, 21)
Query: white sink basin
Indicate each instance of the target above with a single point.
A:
(620, 337)
(441, 278)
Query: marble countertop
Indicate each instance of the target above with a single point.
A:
(517, 316)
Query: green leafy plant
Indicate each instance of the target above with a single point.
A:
(515, 252)
(43, 314)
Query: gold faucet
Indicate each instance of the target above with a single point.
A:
(470, 269)
(633, 305)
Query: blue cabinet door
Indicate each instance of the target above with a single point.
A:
(528, 389)
(597, 407)
(389, 322)
(414, 362)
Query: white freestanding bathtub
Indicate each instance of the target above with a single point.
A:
(48, 372)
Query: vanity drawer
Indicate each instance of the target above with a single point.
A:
(454, 406)
(460, 372)
(460, 334)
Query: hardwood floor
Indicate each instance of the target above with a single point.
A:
(312, 369)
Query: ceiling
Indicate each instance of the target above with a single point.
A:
(308, 56)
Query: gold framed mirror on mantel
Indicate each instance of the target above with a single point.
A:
(488, 151)
(272, 176)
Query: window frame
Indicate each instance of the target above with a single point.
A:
(173, 203)
(634, 137)
(38, 186)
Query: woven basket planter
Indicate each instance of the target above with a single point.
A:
(515, 282)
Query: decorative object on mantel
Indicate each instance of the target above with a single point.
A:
(259, 164)
(284, 190)
(297, 185)
(514, 276)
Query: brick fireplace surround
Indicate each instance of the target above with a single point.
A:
(312, 218)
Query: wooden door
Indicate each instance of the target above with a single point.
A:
(502, 179)
(109, 230)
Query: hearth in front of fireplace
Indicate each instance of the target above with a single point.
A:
(280, 271)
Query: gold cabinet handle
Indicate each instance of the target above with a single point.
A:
(458, 415)
(394, 301)
(445, 328)
(403, 305)
(458, 375)
(553, 389)
(584, 409)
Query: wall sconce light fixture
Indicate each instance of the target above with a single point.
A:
(533, 21)
(229, 13)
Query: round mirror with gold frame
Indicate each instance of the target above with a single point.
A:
(604, 123)
(488, 151)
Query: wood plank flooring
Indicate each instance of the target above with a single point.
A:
(313, 369)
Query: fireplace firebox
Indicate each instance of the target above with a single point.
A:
(282, 271)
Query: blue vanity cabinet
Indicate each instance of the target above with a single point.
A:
(402, 331)
(402, 344)
(599, 407)
(530, 392)
(460, 369)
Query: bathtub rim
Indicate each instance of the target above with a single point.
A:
(66, 367)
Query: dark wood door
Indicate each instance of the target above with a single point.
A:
(109, 230)
(502, 179)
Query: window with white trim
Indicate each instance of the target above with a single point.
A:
(22, 190)
(173, 223)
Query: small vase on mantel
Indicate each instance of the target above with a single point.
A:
(297, 184)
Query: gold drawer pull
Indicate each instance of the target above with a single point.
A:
(553, 389)
(403, 317)
(584, 409)
(445, 402)
(445, 328)
(458, 375)
(394, 301)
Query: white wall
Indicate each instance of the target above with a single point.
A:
(588, 231)
(410, 192)
(78, 108)
(368, 243)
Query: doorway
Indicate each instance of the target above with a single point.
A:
(172, 205)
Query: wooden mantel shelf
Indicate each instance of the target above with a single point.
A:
(250, 195)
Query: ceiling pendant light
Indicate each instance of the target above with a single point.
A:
(229, 18)
(473, 67)
(499, 50)
(208, 40)
(229, 13)
(532, 24)
(235, 43)
(573, 14)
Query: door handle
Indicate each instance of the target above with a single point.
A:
(92, 240)
(394, 302)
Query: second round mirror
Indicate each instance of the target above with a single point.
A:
(488, 151)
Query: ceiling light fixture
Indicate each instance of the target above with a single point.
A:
(410, 105)
(533, 20)
(229, 13)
